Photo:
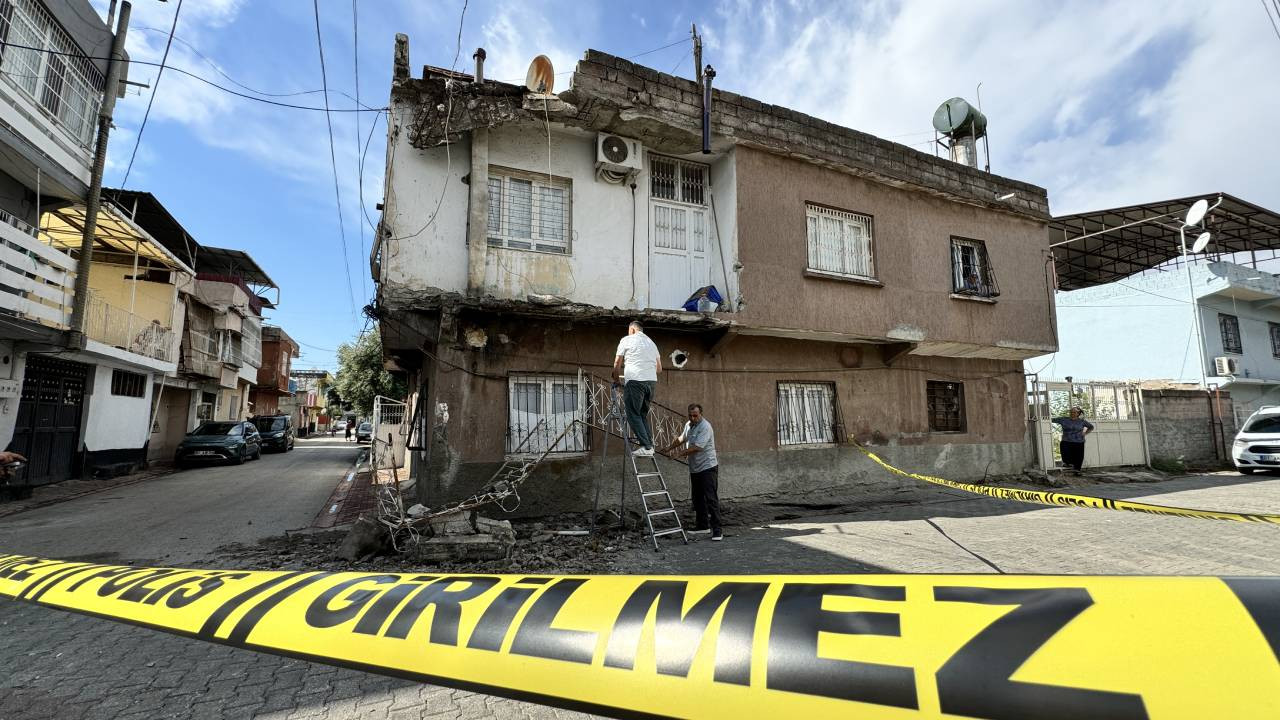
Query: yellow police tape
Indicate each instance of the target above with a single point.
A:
(866, 646)
(1065, 499)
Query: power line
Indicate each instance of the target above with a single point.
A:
(355, 53)
(372, 226)
(206, 81)
(1267, 10)
(333, 158)
(155, 87)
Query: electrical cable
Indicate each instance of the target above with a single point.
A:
(363, 208)
(194, 76)
(355, 54)
(333, 159)
(1267, 10)
(155, 87)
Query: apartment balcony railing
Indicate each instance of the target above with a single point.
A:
(120, 328)
(200, 355)
(37, 282)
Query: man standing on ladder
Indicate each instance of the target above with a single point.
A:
(704, 471)
(637, 365)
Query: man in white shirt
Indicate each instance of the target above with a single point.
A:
(637, 364)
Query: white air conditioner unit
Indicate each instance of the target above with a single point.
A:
(618, 154)
(1224, 366)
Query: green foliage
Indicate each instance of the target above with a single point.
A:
(361, 376)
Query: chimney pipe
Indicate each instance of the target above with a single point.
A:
(479, 56)
(707, 76)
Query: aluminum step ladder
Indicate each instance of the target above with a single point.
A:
(655, 497)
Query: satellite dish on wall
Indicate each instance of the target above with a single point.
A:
(1202, 241)
(541, 77)
(1196, 212)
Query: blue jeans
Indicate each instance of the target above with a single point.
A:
(637, 394)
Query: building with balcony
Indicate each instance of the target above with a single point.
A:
(310, 398)
(806, 283)
(278, 351)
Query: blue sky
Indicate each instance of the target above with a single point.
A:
(1102, 103)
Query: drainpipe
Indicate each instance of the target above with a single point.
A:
(75, 338)
(707, 77)
(479, 56)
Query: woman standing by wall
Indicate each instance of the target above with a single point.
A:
(1074, 429)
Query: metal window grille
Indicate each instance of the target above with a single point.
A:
(251, 341)
(946, 406)
(128, 384)
(540, 408)
(971, 272)
(1229, 325)
(528, 211)
(839, 242)
(806, 413)
(678, 180)
(67, 86)
(1275, 339)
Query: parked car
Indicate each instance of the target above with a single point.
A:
(364, 432)
(341, 426)
(219, 440)
(1257, 445)
(276, 430)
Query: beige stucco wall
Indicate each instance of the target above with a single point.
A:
(152, 300)
(912, 243)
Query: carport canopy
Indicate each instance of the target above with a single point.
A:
(1102, 246)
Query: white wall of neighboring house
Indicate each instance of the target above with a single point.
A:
(609, 259)
(12, 371)
(115, 422)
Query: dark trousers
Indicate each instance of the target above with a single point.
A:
(637, 394)
(706, 499)
(1072, 454)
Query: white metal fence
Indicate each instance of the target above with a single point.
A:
(120, 328)
(1119, 436)
(390, 430)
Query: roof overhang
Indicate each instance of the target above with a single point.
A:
(1102, 246)
(114, 233)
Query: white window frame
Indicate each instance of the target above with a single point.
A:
(840, 242)
(523, 420)
(501, 207)
(807, 413)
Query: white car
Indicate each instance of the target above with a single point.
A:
(1257, 445)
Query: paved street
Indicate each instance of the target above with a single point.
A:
(69, 666)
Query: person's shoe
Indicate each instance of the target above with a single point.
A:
(643, 452)
(717, 537)
(700, 531)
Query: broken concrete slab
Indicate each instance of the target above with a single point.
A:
(462, 548)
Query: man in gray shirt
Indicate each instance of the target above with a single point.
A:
(699, 442)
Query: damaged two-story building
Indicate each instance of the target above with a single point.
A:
(855, 283)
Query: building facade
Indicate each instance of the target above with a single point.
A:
(273, 383)
(851, 289)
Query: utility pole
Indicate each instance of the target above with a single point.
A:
(697, 55)
(114, 66)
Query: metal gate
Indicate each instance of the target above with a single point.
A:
(48, 425)
(1115, 409)
(389, 433)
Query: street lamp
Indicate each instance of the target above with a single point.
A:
(1195, 214)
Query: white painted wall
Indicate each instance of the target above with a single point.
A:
(113, 422)
(604, 217)
(13, 368)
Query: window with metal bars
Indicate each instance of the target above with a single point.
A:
(529, 211)
(946, 405)
(678, 180)
(807, 413)
(1229, 325)
(128, 384)
(545, 414)
(840, 242)
(971, 272)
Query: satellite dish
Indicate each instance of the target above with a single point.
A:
(1196, 213)
(1201, 241)
(541, 77)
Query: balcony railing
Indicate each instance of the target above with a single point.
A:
(120, 328)
(200, 354)
(36, 281)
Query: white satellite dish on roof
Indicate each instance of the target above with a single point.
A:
(541, 77)
(1196, 212)
(1201, 242)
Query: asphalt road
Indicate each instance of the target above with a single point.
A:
(181, 518)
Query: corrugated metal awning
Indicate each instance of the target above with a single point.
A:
(115, 233)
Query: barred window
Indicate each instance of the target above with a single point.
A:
(806, 413)
(840, 242)
(946, 405)
(677, 180)
(971, 272)
(529, 211)
(545, 414)
(128, 384)
(1230, 327)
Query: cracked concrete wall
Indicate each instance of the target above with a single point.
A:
(881, 406)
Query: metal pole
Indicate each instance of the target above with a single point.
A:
(75, 338)
(1195, 306)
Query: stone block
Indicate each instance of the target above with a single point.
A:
(462, 548)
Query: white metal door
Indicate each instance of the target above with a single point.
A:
(1115, 409)
(678, 263)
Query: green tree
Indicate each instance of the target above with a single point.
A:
(361, 375)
